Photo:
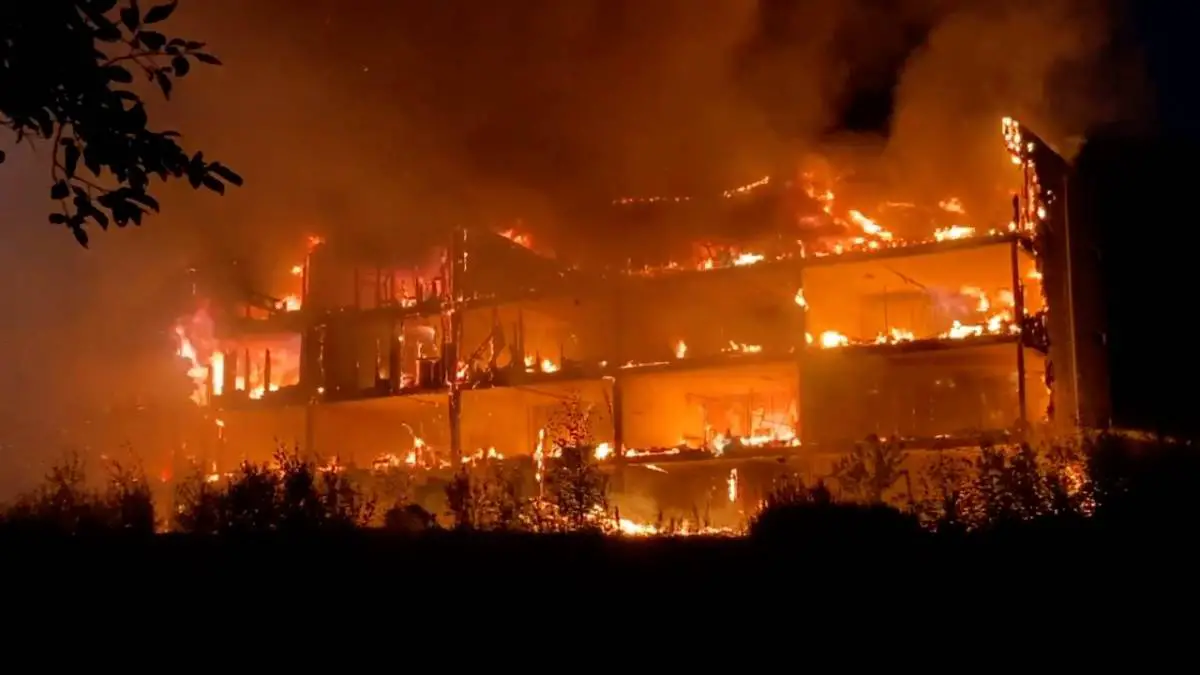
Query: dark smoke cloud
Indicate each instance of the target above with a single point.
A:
(369, 116)
(364, 118)
(1049, 64)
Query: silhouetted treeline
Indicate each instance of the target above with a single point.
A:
(1024, 527)
(1106, 486)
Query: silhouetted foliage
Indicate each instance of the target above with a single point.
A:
(408, 519)
(943, 485)
(290, 496)
(1012, 495)
(64, 504)
(797, 513)
(575, 484)
(1143, 485)
(871, 469)
(67, 75)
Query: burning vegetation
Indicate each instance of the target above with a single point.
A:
(681, 378)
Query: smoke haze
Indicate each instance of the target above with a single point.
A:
(362, 118)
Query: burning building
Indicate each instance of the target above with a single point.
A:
(813, 330)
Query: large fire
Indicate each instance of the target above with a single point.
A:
(254, 368)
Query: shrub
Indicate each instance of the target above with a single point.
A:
(65, 505)
(871, 469)
(795, 513)
(1142, 484)
(574, 484)
(290, 496)
(489, 495)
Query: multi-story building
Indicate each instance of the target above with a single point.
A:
(790, 349)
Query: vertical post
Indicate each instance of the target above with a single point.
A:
(887, 327)
(395, 345)
(618, 417)
(800, 345)
(310, 431)
(618, 397)
(266, 372)
(210, 385)
(618, 392)
(229, 373)
(618, 423)
(1069, 254)
(450, 342)
(304, 279)
(1019, 317)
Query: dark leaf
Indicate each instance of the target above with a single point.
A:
(58, 219)
(70, 159)
(152, 39)
(193, 45)
(107, 31)
(80, 235)
(226, 173)
(180, 65)
(120, 214)
(2, 156)
(60, 190)
(91, 159)
(164, 83)
(45, 122)
(137, 116)
(98, 216)
(160, 13)
(137, 180)
(207, 58)
(214, 185)
(130, 16)
(145, 199)
(118, 74)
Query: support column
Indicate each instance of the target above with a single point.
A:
(310, 428)
(618, 421)
(1019, 317)
(453, 336)
(618, 418)
(266, 373)
(800, 345)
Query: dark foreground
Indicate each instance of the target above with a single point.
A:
(371, 559)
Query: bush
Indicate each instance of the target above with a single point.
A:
(291, 495)
(65, 505)
(1105, 483)
(796, 513)
(1143, 484)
